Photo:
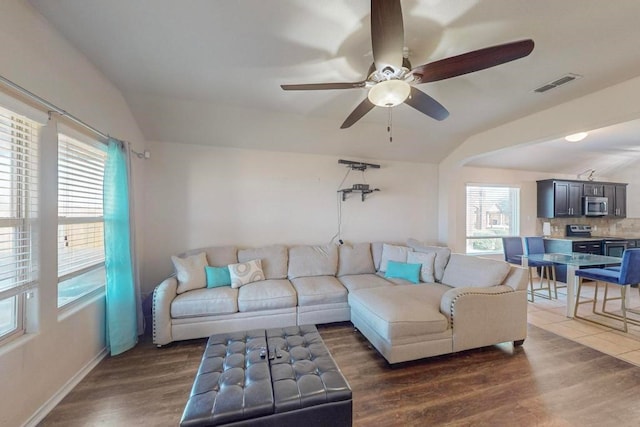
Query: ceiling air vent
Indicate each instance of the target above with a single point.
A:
(558, 82)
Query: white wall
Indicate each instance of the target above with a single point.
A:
(36, 367)
(205, 196)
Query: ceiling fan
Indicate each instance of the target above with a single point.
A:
(391, 77)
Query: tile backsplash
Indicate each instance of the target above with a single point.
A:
(600, 226)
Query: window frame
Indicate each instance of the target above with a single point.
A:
(514, 226)
(22, 198)
(86, 272)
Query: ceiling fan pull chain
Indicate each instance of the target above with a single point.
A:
(390, 125)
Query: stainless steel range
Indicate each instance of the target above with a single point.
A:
(578, 230)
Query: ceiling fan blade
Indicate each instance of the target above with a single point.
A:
(472, 61)
(387, 33)
(323, 86)
(426, 104)
(363, 108)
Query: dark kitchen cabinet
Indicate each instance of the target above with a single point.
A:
(593, 189)
(594, 248)
(559, 199)
(617, 195)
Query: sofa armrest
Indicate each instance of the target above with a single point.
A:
(485, 316)
(163, 295)
(517, 279)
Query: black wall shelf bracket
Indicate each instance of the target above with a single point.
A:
(360, 166)
(363, 193)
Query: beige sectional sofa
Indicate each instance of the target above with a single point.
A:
(460, 302)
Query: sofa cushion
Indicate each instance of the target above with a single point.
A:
(397, 281)
(426, 264)
(354, 282)
(465, 271)
(190, 272)
(319, 290)
(244, 273)
(266, 295)
(403, 270)
(442, 256)
(218, 256)
(392, 253)
(274, 260)
(205, 302)
(355, 259)
(401, 311)
(305, 261)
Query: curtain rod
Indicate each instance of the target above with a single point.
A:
(51, 107)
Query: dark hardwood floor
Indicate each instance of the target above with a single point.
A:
(549, 381)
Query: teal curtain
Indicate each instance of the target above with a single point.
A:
(122, 322)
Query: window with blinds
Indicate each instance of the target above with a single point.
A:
(18, 212)
(80, 218)
(492, 211)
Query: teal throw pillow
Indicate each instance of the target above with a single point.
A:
(403, 270)
(217, 276)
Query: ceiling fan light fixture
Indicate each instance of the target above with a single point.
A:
(576, 137)
(389, 93)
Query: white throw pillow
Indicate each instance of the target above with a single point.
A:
(442, 256)
(392, 253)
(190, 272)
(244, 273)
(426, 262)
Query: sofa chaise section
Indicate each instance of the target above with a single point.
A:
(402, 322)
(480, 302)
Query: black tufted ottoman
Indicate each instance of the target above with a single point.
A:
(278, 377)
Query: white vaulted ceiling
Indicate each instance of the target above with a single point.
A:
(209, 71)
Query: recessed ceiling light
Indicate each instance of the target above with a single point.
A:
(576, 136)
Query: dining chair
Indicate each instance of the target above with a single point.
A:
(513, 252)
(535, 245)
(628, 274)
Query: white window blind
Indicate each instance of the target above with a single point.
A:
(80, 214)
(493, 211)
(18, 211)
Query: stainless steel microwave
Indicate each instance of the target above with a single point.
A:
(596, 206)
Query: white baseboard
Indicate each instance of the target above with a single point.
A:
(64, 390)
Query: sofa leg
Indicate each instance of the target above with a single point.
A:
(518, 343)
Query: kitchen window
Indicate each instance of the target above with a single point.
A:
(80, 218)
(492, 212)
(18, 213)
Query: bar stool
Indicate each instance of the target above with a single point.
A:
(512, 247)
(628, 274)
(535, 245)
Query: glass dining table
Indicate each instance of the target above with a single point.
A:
(573, 262)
